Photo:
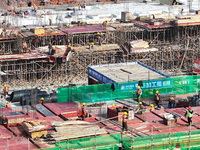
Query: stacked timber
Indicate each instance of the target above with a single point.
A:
(38, 31)
(74, 129)
(187, 19)
(35, 129)
(140, 46)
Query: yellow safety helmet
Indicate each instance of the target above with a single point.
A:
(138, 87)
(140, 102)
(42, 98)
(125, 113)
(68, 46)
(97, 32)
(156, 91)
(54, 47)
(4, 85)
(152, 105)
(67, 24)
(92, 43)
(83, 104)
(169, 47)
(113, 105)
(80, 21)
(107, 20)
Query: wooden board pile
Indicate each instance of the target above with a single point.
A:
(35, 128)
(74, 129)
(187, 19)
(139, 46)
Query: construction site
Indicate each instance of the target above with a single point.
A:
(100, 74)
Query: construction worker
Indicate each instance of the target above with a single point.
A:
(172, 103)
(83, 111)
(53, 50)
(139, 93)
(99, 38)
(152, 107)
(170, 52)
(50, 48)
(104, 24)
(140, 105)
(4, 21)
(50, 22)
(79, 6)
(5, 90)
(189, 114)
(35, 7)
(41, 101)
(124, 121)
(24, 46)
(157, 99)
(91, 45)
(8, 105)
(80, 23)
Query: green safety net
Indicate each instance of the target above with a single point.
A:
(127, 90)
(90, 141)
(170, 141)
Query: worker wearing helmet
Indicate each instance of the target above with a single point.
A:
(139, 93)
(50, 48)
(189, 114)
(99, 38)
(172, 103)
(104, 24)
(140, 105)
(152, 107)
(8, 105)
(91, 45)
(41, 101)
(170, 52)
(5, 90)
(157, 99)
(50, 22)
(124, 121)
(83, 111)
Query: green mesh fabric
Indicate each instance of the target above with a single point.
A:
(103, 92)
(155, 142)
(90, 142)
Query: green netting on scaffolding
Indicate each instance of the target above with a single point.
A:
(100, 141)
(127, 90)
(164, 141)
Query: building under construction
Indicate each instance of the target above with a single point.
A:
(71, 84)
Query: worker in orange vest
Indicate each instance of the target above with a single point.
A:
(5, 90)
(41, 101)
(172, 103)
(24, 46)
(83, 111)
(35, 7)
(99, 38)
(124, 122)
(139, 93)
(8, 105)
(157, 99)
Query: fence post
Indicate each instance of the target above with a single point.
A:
(189, 137)
(152, 138)
(28, 145)
(169, 138)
